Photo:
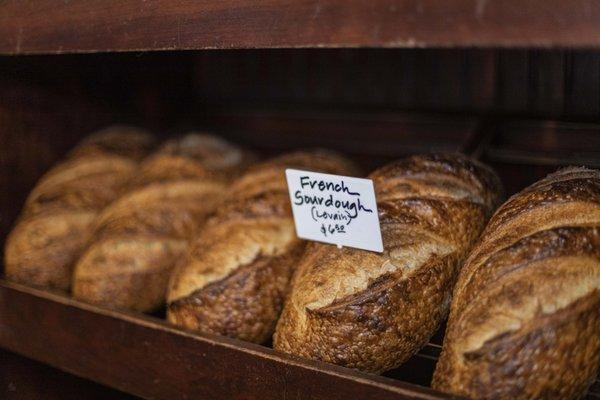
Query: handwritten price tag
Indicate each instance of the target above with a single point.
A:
(335, 209)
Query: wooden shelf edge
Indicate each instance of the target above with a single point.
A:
(48, 27)
(147, 357)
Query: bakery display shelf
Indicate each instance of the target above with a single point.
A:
(45, 26)
(147, 357)
(23, 378)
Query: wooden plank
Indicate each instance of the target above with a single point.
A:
(48, 26)
(547, 143)
(525, 151)
(147, 357)
(25, 379)
(391, 135)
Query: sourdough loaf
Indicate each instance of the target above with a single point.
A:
(57, 218)
(139, 237)
(236, 275)
(372, 311)
(525, 317)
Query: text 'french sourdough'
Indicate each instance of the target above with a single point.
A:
(372, 311)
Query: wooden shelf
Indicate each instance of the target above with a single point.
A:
(22, 378)
(47, 26)
(147, 357)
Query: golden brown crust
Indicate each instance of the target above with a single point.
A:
(245, 304)
(525, 316)
(194, 156)
(439, 175)
(57, 217)
(372, 311)
(139, 237)
(236, 274)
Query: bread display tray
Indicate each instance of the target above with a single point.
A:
(147, 357)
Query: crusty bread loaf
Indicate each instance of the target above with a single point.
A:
(139, 237)
(234, 279)
(57, 218)
(372, 311)
(525, 317)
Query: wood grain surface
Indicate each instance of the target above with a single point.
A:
(47, 26)
(149, 358)
(25, 379)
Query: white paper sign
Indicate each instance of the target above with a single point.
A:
(335, 209)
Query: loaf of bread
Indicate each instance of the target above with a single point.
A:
(57, 218)
(525, 317)
(236, 275)
(372, 311)
(140, 236)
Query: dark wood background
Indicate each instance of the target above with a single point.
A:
(542, 83)
(48, 102)
(161, 88)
